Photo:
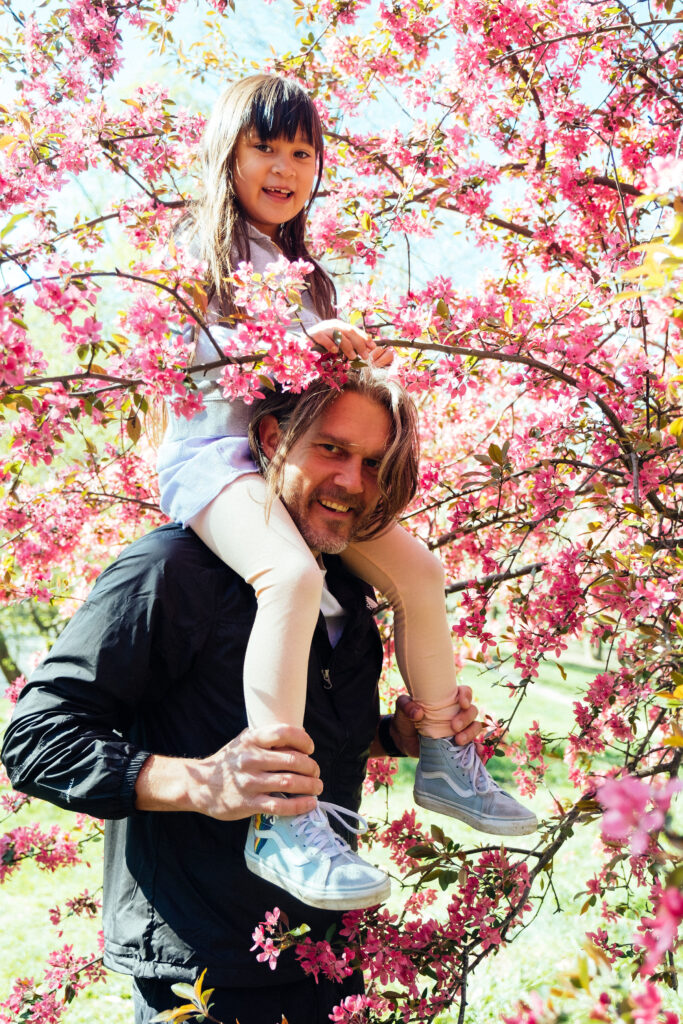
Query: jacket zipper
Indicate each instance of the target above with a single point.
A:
(327, 682)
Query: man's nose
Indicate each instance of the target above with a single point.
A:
(350, 476)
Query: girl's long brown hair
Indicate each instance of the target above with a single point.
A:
(273, 108)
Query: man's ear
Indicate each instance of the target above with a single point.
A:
(269, 435)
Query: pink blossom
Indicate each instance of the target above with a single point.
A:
(625, 801)
(659, 933)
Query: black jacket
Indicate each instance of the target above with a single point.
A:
(152, 663)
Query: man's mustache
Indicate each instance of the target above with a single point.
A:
(341, 498)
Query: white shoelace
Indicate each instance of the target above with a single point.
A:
(316, 828)
(468, 759)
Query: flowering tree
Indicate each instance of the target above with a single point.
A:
(548, 134)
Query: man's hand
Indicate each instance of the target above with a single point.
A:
(242, 778)
(464, 723)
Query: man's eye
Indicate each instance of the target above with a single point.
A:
(373, 464)
(334, 449)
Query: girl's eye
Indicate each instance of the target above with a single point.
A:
(263, 147)
(302, 153)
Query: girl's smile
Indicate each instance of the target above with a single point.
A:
(273, 179)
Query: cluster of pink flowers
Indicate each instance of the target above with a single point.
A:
(549, 393)
(65, 976)
(659, 934)
(380, 772)
(86, 904)
(50, 849)
(627, 818)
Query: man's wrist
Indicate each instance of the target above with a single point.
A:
(164, 785)
(387, 739)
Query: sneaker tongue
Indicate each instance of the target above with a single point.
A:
(468, 759)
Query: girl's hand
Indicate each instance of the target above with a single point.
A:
(333, 335)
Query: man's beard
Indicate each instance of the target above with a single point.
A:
(324, 540)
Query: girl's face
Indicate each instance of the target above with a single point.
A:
(273, 180)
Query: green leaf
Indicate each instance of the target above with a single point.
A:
(674, 880)
(12, 222)
(496, 454)
(676, 236)
(590, 902)
(438, 834)
(134, 428)
(183, 990)
(422, 851)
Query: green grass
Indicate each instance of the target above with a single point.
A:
(531, 963)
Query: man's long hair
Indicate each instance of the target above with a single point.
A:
(397, 476)
(273, 107)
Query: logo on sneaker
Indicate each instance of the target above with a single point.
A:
(262, 823)
(451, 783)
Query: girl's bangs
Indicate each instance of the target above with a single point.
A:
(281, 110)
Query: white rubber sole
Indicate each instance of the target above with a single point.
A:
(492, 826)
(316, 897)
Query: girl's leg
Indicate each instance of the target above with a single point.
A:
(273, 557)
(411, 577)
(275, 560)
(450, 779)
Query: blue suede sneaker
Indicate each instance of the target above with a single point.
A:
(453, 780)
(306, 857)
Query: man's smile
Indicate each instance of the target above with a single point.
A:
(334, 506)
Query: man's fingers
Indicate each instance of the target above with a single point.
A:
(283, 782)
(284, 806)
(407, 706)
(464, 697)
(466, 735)
(279, 736)
(262, 762)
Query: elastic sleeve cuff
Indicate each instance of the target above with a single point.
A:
(386, 739)
(130, 777)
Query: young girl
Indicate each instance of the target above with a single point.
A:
(262, 156)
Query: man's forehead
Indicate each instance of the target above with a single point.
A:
(339, 439)
(355, 421)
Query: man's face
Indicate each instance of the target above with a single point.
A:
(330, 475)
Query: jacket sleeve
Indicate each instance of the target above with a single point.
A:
(65, 743)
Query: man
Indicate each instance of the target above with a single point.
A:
(137, 716)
